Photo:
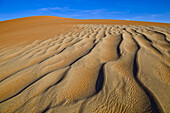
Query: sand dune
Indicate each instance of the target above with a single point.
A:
(77, 66)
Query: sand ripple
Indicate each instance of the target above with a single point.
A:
(95, 68)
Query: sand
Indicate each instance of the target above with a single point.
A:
(61, 65)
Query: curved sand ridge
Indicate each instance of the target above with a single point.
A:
(94, 68)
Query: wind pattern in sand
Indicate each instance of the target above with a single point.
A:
(94, 68)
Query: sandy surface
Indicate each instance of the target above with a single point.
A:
(60, 65)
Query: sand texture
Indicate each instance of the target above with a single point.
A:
(78, 66)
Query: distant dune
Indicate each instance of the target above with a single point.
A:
(63, 65)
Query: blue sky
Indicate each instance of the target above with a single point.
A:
(139, 10)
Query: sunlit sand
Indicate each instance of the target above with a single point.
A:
(60, 65)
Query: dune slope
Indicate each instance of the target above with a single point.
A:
(83, 68)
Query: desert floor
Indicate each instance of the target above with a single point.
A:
(60, 65)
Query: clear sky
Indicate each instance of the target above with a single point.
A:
(139, 10)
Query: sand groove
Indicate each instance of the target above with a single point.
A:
(95, 68)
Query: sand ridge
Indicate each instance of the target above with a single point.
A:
(90, 68)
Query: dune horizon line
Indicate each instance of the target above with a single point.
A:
(82, 19)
